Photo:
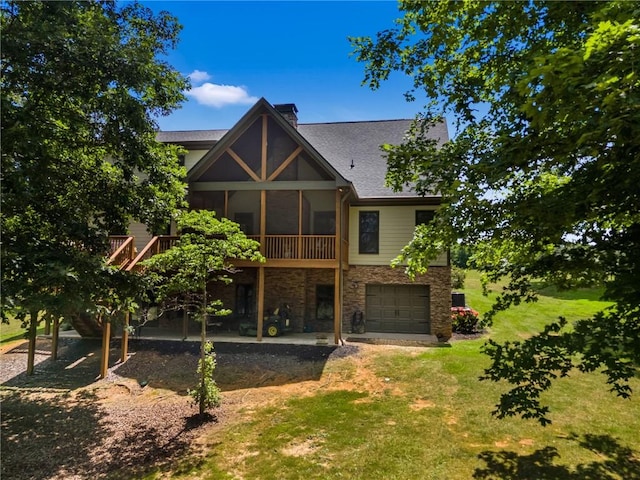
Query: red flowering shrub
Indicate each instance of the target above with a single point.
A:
(464, 319)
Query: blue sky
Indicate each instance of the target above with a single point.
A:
(287, 52)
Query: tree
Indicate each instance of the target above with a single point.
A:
(179, 279)
(82, 85)
(542, 176)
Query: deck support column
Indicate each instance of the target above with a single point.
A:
(104, 360)
(33, 331)
(337, 307)
(337, 294)
(260, 303)
(124, 350)
(54, 337)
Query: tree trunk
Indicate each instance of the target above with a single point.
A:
(47, 325)
(33, 330)
(125, 338)
(185, 323)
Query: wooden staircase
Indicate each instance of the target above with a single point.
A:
(121, 254)
(157, 244)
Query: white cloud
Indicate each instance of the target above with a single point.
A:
(198, 76)
(221, 95)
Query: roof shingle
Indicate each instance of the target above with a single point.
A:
(342, 144)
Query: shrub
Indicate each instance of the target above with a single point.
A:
(464, 319)
(458, 276)
(207, 395)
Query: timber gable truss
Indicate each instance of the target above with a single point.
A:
(265, 176)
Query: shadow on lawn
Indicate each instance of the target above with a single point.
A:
(618, 461)
(592, 294)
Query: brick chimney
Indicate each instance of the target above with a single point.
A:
(288, 111)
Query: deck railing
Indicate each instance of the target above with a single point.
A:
(121, 249)
(156, 245)
(276, 247)
(116, 241)
(298, 247)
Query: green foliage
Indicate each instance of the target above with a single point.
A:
(178, 278)
(461, 256)
(542, 175)
(207, 393)
(205, 253)
(457, 277)
(82, 84)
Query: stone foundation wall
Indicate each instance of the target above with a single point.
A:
(437, 278)
(227, 293)
(297, 287)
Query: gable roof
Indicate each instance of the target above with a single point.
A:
(337, 146)
(230, 136)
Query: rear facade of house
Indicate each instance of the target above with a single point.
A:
(314, 196)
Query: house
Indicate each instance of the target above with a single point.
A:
(314, 196)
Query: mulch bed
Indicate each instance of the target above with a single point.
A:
(65, 423)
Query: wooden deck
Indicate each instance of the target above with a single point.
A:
(288, 248)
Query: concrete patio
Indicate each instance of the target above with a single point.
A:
(315, 338)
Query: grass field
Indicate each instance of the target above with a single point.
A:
(429, 418)
(12, 331)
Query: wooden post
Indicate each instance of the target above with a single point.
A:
(337, 292)
(264, 149)
(33, 330)
(260, 302)
(300, 255)
(263, 229)
(104, 361)
(54, 338)
(124, 350)
(337, 307)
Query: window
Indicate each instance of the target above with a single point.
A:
(324, 302)
(369, 232)
(245, 301)
(424, 216)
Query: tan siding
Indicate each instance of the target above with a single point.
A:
(192, 157)
(396, 230)
(139, 230)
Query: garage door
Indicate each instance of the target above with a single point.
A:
(397, 308)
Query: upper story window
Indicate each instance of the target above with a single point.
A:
(424, 216)
(369, 233)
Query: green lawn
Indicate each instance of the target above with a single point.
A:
(13, 330)
(430, 419)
